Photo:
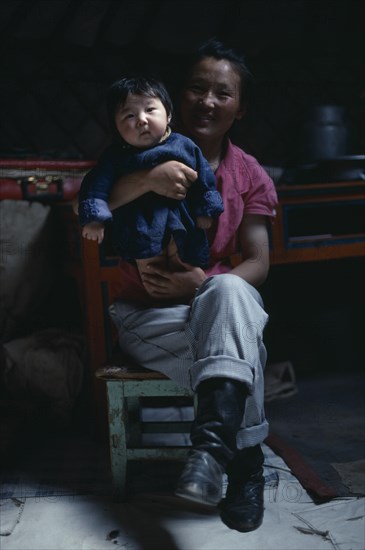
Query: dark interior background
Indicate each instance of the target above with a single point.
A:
(58, 57)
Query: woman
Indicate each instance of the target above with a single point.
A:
(208, 334)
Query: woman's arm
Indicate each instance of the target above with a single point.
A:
(254, 240)
(254, 269)
(170, 179)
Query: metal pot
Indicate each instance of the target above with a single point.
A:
(325, 134)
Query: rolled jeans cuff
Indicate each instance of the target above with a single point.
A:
(252, 435)
(222, 366)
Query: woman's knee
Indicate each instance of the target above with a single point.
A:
(228, 285)
(228, 297)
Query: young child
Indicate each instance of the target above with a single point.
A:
(152, 227)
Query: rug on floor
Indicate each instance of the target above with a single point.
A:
(78, 467)
(319, 432)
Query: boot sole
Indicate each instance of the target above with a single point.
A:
(237, 527)
(194, 498)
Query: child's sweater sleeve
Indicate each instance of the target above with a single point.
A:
(205, 200)
(95, 189)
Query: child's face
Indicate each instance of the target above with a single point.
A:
(142, 121)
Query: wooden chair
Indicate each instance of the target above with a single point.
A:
(126, 384)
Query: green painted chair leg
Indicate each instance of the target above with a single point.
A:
(117, 409)
(126, 426)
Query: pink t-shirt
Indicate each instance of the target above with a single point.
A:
(246, 189)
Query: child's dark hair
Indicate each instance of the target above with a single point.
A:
(135, 85)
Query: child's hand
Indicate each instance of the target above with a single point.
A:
(75, 205)
(204, 222)
(94, 231)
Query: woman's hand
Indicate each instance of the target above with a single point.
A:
(164, 284)
(171, 179)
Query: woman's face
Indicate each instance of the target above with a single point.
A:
(210, 100)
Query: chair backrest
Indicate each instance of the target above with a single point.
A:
(101, 275)
(98, 276)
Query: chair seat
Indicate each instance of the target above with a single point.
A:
(121, 368)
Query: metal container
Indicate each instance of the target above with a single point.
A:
(325, 134)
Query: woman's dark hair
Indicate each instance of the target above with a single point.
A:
(135, 85)
(216, 49)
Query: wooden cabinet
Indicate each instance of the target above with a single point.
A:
(319, 222)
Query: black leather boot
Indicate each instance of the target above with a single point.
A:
(221, 404)
(243, 507)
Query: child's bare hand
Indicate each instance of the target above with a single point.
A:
(94, 231)
(204, 222)
(75, 205)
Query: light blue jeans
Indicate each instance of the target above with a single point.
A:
(219, 335)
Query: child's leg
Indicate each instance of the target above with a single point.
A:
(174, 263)
(168, 259)
(172, 256)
